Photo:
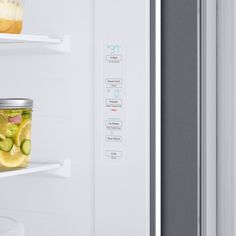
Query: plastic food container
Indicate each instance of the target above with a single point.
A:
(15, 133)
(11, 16)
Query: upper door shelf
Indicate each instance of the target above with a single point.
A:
(31, 44)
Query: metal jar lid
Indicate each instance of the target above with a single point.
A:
(16, 103)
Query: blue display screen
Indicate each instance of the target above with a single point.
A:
(114, 48)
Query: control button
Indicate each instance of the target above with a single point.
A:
(113, 102)
(114, 82)
(113, 138)
(114, 58)
(114, 124)
(114, 155)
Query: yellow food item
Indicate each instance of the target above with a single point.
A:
(15, 134)
(12, 159)
(24, 132)
(11, 16)
(18, 27)
(25, 163)
(3, 124)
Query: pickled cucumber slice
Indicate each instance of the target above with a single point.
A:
(26, 115)
(26, 147)
(24, 132)
(12, 159)
(6, 144)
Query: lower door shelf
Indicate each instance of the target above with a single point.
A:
(60, 169)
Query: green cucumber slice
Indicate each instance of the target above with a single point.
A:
(26, 147)
(26, 115)
(6, 144)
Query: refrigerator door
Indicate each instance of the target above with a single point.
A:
(90, 79)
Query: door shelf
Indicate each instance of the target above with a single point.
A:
(56, 169)
(11, 44)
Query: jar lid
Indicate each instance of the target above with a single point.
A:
(15, 103)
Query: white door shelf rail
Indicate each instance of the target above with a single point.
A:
(30, 44)
(57, 169)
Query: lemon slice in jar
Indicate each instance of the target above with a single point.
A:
(12, 159)
(24, 132)
(3, 124)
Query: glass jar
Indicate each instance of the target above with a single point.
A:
(11, 16)
(15, 133)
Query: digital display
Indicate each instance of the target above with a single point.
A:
(114, 48)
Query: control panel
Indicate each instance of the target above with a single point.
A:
(121, 117)
(114, 101)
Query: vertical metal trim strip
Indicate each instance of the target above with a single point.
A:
(153, 117)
